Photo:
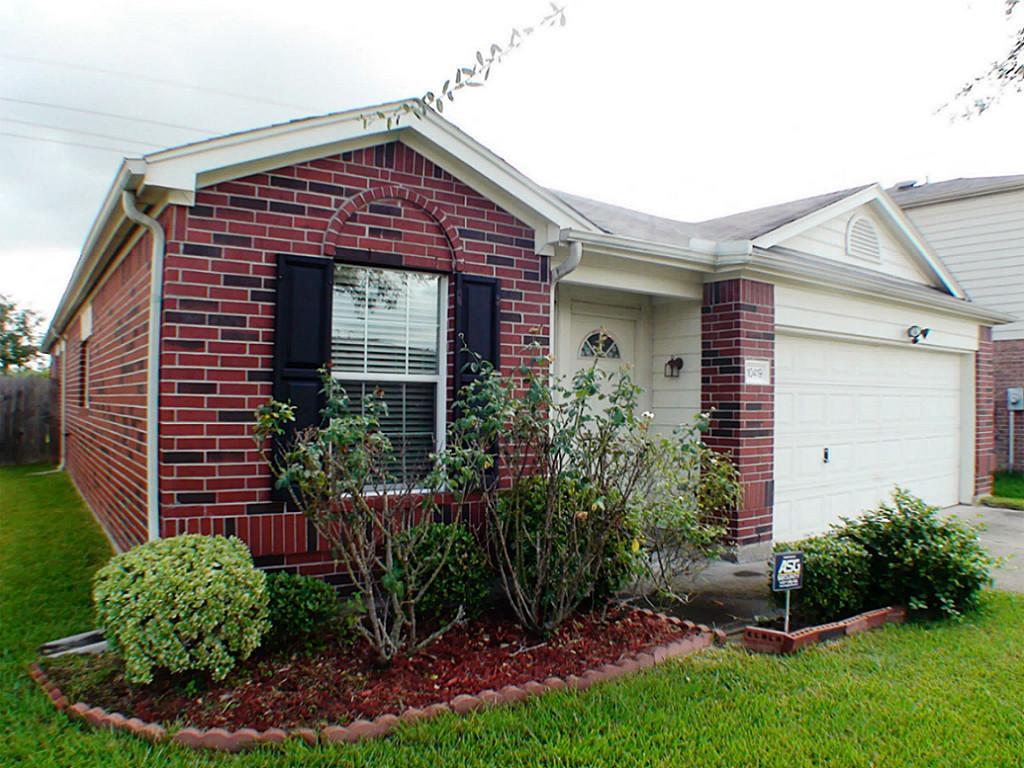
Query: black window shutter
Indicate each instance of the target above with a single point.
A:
(302, 334)
(477, 324)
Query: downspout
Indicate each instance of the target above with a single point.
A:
(563, 269)
(156, 287)
(63, 403)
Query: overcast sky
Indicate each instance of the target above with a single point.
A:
(688, 108)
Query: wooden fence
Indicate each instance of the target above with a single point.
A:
(28, 420)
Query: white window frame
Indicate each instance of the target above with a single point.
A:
(440, 379)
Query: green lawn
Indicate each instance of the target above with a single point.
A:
(1007, 491)
(923, 695)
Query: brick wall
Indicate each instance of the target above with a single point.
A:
(106, 440)
(985, 460)
(1008, 371)
(738, 322)
(387, 205)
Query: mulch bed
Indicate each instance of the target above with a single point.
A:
(342, 683)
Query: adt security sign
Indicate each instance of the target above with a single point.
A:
(787, 571)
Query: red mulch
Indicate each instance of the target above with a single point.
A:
(341, 683)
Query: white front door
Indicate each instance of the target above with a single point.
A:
(606, 337)
(853, 420)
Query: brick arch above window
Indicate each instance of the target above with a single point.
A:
(346, 231)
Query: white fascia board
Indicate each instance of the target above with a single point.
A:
(813, 219)
(101, 232)
(641, 250)
(769, 267)
(191, 166)
(912, 237)
(895, 217)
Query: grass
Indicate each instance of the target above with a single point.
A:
(918, 695)
(1007, 491)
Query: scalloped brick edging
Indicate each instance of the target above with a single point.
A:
(698, 636)
(762, 640)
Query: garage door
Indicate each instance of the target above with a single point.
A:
(885, 415)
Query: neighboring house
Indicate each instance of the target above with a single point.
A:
(977, 227)
(327, 240)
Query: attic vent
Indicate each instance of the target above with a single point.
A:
(862, 239)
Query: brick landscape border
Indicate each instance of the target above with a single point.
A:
(762, 640)
(698, 637)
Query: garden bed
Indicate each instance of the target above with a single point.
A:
(340, 685)
(765, 639)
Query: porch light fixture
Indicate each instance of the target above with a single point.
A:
(917, 333)
(673, 367)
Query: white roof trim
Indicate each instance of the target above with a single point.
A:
(893, 216)
(180, 168)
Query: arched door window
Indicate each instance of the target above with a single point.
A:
(599, 344)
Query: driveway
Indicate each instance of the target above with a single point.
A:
(1003, 537)
(730, 594)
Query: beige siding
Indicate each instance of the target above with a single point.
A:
(852, 316)
(676, 331)
(828, 241)
(981, 239)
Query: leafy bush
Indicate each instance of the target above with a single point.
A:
(372, 502)
(919, 558)
(837, 578)
(300, 608)
(188, 603)
(587, 491)
(462, 580)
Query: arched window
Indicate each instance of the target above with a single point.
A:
(599, 344)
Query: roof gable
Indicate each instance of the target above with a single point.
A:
(184, 169)
(907, 250)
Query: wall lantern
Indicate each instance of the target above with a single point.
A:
(673, 367)
(917, 333)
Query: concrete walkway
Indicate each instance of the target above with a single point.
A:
(1003, 537)
(729, 595)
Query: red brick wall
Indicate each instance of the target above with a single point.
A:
(106, 441)
(1008, 371)
(738, 322)
(219, 315)
(984, 441)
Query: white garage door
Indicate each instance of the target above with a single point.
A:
(886, 415)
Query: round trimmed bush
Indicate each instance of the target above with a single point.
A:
(919, 558)
(185, 604)
(300, 607)
(837, 576)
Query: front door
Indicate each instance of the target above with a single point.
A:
(607, 341)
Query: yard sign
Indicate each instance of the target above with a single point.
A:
(787, 575)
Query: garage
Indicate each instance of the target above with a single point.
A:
(853, 420)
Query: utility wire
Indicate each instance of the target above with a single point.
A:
(66, 143)
(48, 105)
(155, 80)
(76, 130)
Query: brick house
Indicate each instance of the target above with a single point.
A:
(263, 255)
(976, 225)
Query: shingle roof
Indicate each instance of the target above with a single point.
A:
(745, 225)
(908, 197)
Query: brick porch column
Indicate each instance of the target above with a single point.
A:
(738, 326)
(984, 414)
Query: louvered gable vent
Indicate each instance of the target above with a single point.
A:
(862, 239)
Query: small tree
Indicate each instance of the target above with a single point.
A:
(372, 505)
(588, 494)
(19, 330)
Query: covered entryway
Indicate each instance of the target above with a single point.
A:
(854, 419)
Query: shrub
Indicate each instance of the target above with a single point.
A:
(587, 488)
(462, 579)
(837, 580)
(188, 603)
(371, 501)
(300, 608)
(920, 559)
